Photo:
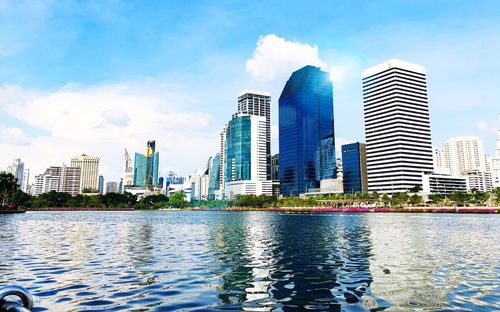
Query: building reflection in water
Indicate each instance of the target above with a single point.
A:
(269, 261)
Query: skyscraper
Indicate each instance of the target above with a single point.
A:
(146, 167)
(89, 171)
(258, 103)
(246, 168)
(397, 126)
(354, 168)
(306, 131)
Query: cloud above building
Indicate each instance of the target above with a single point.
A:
(102, 120)
(275, 57)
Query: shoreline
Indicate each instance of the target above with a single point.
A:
(480, 210)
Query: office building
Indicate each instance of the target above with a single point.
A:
(354, 175)
(17, 170)
(496, 161)
(89, 171)
(306, 131)
(433, 183)
(111, 187)
(146, 167)
(100, 187)
(246, 165)
(258, 103)
(397, 126)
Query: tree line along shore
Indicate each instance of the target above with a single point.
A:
(11, 197)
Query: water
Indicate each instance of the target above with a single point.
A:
(253, 261)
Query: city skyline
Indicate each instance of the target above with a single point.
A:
(107, 98)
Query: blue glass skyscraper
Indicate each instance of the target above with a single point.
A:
(306, 135)
(354, 168)
(146, 167)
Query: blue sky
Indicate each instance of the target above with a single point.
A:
(100, 76)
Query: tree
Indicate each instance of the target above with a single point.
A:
(178, 200)
(21, 199)
(415, 200)
(415, 189)
(385, 199)
(8, 186)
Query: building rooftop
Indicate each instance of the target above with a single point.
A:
(251, 91)
(393, 63)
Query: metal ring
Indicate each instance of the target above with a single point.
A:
(20, 292)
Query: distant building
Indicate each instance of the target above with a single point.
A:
(89, 175)
(214, 178)
(306, 135)
(128, 171)
(100, 187)
(26, 181)
(479, 180)
(463, 154)
(111, 187)
(433, 183)
(397, 126)
(146, 167)
(222, 174)
(58, 179)
(496, 160)
(354, 168)
(17, 170)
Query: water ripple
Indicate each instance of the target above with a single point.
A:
(252, 261)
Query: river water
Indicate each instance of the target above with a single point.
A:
(253, 261)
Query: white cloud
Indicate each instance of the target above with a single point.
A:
(275, 57)
(14, 136)
(102, 120)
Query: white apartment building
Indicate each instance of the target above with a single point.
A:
(397, 126)
(89, 176)
(222, 166)
(45, 183)
(465, 153)
(496, 160)
(479, 180)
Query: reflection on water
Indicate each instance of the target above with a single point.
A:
(252, 261)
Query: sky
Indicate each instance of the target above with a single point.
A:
(97, 77)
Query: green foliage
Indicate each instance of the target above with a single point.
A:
(415, 189)
(178, 200)
(8, 187)
(152, 202)
(399, 199)
(253, 201)
(89, 191)
(385, 199)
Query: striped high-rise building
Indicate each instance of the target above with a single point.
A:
(258, 103)
(397, 126)
(89, 171)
